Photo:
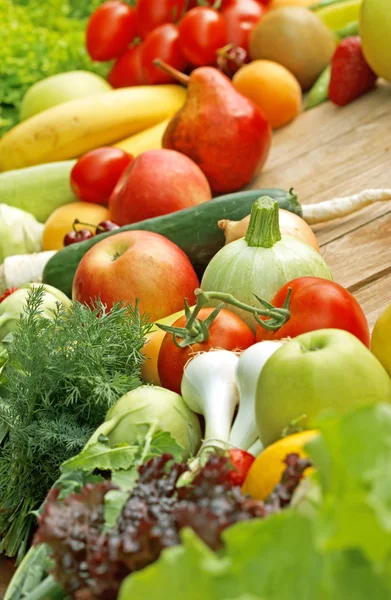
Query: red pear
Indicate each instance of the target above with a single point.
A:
(223, 132)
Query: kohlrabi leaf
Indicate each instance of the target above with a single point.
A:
(115, 499)
(101, 456)
(164, 443)
(114, 503)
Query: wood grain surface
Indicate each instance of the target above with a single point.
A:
(329, 152)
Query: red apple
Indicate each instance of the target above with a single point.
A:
(156, 183)
(136, 264)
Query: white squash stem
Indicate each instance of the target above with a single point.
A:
(341, 207)
(23, 268)
(251, 362)
(208, 388)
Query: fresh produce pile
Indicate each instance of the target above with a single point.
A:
(186, 394)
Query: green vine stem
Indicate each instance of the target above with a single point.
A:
(196, 330)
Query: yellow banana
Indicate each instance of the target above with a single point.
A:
(70, 129)
(149, 139)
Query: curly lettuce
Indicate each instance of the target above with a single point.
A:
(39, 39)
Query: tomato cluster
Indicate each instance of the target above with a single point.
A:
(179, 32)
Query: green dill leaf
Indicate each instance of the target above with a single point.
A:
(62, 376)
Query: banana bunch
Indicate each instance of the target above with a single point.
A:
(68, 130)
(149, 139)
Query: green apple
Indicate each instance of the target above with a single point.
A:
(316, 371)
(61, 88)
(375, 32)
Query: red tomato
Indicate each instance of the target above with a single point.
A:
(152, 13)
(241, 16)
(110, 30)
(211, 3)
(318, 304)
(127, 70)
(163, 43)
(228, 331)
(96, 174)
(202, 32)
(241, 462)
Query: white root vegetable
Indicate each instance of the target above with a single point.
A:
(23, 268)
(244, 432)
(341, 207)
(208, 388)
(290, 224)
(256, 448)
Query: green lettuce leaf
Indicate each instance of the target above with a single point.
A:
(333, 544)
(353, 457)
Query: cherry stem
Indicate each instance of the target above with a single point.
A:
(181, 77)
(77, 222)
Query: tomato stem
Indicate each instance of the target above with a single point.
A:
(196, 331)
(181, 77)
(275, 317)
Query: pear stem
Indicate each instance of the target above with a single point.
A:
(263, 230)
(181, 77)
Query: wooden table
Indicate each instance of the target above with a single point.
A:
(329, 152)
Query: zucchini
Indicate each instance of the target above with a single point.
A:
(38, 190)
(194, 230)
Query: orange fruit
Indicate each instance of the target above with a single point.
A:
(273, 88)
(61, 221)
(266, 471)
(279, 3)
(152, 346)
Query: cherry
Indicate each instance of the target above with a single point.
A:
(231, 58)
(106, 226)
(73, 237)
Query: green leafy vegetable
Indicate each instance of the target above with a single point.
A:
(336, 548)
(32, 574)
(61, 378)
(38, 39)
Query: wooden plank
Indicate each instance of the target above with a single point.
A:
(368, 296)
(324, 125)
(350, 152)
(6, 571)
(361, 256)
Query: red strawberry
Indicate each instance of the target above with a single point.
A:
(7, 293)
(351, 76)
(241, 462)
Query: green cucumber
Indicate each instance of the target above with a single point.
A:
(38, 190)
(194, 230)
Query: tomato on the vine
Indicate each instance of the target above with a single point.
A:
(227, 331)
(152, 13)
(202, 32)
(110, 30)
(163, 43)
(127, 70)
(96, 173)
(241, 17)
(211, 3)
(317, 303)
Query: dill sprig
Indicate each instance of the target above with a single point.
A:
(62, 376)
